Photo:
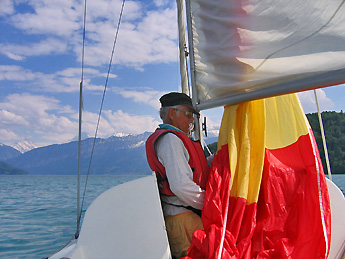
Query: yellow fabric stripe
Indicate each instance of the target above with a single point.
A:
(243, 129)
(285, 121)
(248, 128)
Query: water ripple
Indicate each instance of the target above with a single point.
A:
(38, 213)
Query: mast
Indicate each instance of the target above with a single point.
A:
(182, 47)
(198, 132)
(76, 235)
(79, 154)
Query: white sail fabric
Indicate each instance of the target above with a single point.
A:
(258, 48)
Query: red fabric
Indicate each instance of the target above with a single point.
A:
(241, 220)
(285, 223)
(289, 221)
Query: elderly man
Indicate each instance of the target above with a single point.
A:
(181, 169)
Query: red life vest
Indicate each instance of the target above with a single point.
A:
(197, 160)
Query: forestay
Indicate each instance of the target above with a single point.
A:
(258, 48)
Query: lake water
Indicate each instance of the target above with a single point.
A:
(38, 213)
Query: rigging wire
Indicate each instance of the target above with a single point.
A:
(101, 107)
(323, 137)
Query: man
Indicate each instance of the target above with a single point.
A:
(181, 169)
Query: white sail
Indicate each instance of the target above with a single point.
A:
(259, 48)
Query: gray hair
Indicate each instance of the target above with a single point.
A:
(163, 112)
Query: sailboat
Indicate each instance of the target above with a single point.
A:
(248, 56)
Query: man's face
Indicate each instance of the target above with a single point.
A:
(182, 117)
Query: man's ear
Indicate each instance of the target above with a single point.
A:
(171, 115)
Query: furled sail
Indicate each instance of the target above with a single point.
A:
(253, 49)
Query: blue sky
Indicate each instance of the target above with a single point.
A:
(40, 53)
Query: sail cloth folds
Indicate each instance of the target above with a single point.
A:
(266, 196)
(250, 49)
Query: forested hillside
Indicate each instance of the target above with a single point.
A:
(334, 126)
(6, 169)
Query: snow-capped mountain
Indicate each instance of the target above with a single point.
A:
(118, 154)
(24, 146)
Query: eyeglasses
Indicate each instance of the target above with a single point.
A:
(188, 114)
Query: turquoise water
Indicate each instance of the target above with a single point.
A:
(38, 213)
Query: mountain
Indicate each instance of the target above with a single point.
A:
(114, 155)
(210, 140)
(118, 154)
(125, 154)
(7, 152)
(84, 135)
(24, 146)
(6, 169)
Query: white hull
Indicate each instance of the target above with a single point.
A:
(337, 217)
(127, 222)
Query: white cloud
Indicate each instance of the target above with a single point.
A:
(64, 81)
(45, 47)
(32, 105)
(10, 118)
(145, 40)
(59, 18)
(149, 97)
(125, 123)
(89, 124)
(110, 10)
(37, 114)
(116, 122)
(16, 73)
(161, 2)
(308, 102)
(145, 37)
(152, 40)
(41, 33)
(6, 7)
(7, 135)
(39, 81)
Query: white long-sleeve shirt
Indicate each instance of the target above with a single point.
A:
(174, 157)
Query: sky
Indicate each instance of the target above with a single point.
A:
(40, 69)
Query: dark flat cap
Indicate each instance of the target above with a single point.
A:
(175, 98)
